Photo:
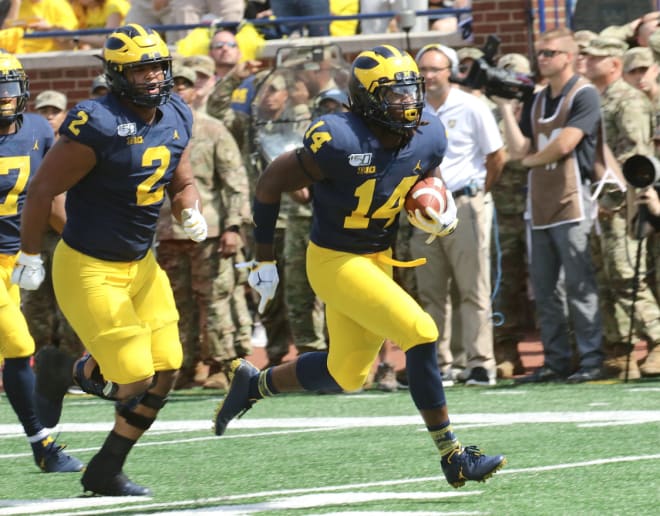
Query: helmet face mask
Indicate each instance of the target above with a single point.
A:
(128, 51)
(386, 88)
(14, 84)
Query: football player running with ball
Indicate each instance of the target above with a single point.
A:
(115, 158)
(24, 139)
(361, 164)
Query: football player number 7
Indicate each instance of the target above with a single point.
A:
(7, 165)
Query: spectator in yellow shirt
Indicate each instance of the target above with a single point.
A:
(98, 14)
(45, 16)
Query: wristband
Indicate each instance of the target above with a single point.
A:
(265, 218)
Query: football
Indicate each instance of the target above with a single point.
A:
(430, 192)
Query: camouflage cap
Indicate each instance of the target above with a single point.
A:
(100, 81)
(654, 45)
(638, 57)
(185, 72)
(51, 98)
(201, 64)
(515, 62)
(469, 53)
(584, 37)
(277, 82)
(602, 47)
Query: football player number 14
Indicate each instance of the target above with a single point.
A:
(389, 210)
(358, 219)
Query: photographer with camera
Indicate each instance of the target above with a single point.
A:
(629, 123)
(556, 139)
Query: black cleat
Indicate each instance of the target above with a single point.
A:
(237, 400)
(114, 485)
(468, 463)
(54, 375)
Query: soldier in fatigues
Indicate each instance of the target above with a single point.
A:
(202, 274)
(511, 292)
(629, 123)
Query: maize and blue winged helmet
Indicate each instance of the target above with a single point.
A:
(13, 84)
(386, 87)
(131, 46)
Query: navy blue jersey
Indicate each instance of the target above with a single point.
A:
(112, 211)
(20, 156)
(356, 205)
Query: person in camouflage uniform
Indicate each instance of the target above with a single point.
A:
(629, 124)
(203, 275)
(511, 299)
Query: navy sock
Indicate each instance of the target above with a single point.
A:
(261, 385)
(18, 379)
(424, 377)
(313, 375)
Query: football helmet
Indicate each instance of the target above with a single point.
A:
(13, 84)
(385, 87)
(130, 46)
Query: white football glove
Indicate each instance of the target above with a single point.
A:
(263, 278)
(436, 224)
(28, 271)
(194, 224)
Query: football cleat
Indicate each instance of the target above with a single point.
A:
(54, 375)
(237, 400)
(115, 485)
(51, 458)
(462, 464)
(101, 478)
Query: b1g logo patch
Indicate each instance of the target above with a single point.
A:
(359, 160)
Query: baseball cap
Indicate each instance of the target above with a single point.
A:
(277, 82)
(584, 37)
(638, 57)
(654, 44)
(469, 53)
(333, 94)
(184, 72)
(51, 98)
(514, 62)
(447, 51)
(201, 64)
(605, 46)
(99, 81)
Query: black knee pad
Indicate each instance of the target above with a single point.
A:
(134, 419)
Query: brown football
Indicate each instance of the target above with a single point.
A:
(429, 192)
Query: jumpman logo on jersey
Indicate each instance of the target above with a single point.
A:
(175, 136)
(418, 166)
(35, 147)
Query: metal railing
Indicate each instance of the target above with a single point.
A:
(289, 20)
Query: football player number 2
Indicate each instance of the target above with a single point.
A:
(7, 165)
(145, 194)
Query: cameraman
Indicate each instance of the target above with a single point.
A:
(556, 139)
